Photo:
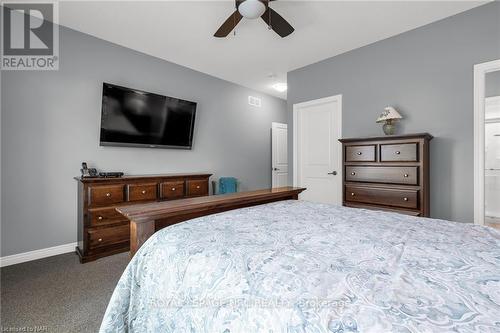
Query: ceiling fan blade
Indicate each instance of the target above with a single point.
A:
(277, 23)
(229, 25)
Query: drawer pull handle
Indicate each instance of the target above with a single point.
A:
(405, 199)
(173, 188)
(398, 152)
(143, 191)
(108, 194)
(198, 187)
(99, 240)
(360, 153)
(406, 175)
(353, 173)
(353, 194)
(100, 218)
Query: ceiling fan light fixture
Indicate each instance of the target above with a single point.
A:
(280, 87)
(252, 9)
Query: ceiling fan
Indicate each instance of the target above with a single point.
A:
(252, 9)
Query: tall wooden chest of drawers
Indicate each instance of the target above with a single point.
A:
(387, 173)
(103, 231)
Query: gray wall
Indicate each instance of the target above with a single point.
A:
(50, 124)
(427, 74)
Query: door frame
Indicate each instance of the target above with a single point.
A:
(273, 126)
(338, 120)
(480, 71)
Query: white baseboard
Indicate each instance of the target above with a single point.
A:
(37, 254)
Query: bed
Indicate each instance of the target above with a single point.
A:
(295, 266)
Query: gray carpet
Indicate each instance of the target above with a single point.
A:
(58, 293)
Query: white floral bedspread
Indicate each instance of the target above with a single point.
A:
(295, 266)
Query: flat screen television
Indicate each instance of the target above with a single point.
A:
(134, 118)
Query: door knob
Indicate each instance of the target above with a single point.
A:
(276, 169)
(333, 173)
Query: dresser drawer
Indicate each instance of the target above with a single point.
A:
(108, 236)
(142, 192)
(382, 196)
(105, 195)
(105, 216)
(393, 175)
(383, 208)
(407, 152)
(360, 153)
(172, 190)
(197, 187)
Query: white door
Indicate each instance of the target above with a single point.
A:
(317, 151)
(279, 154)
(492, 160)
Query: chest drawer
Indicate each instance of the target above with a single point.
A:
(108, 236)
(379, 174)
(197, 187)
(142, 192)
(407, 152)
(105, 216)
(382, 196)
(105, 195)
(172, 190)
(384, 209)
(360, 153)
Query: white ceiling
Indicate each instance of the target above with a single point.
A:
(181, 32)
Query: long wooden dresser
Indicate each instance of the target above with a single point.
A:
(387, 173)
(102, 231)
